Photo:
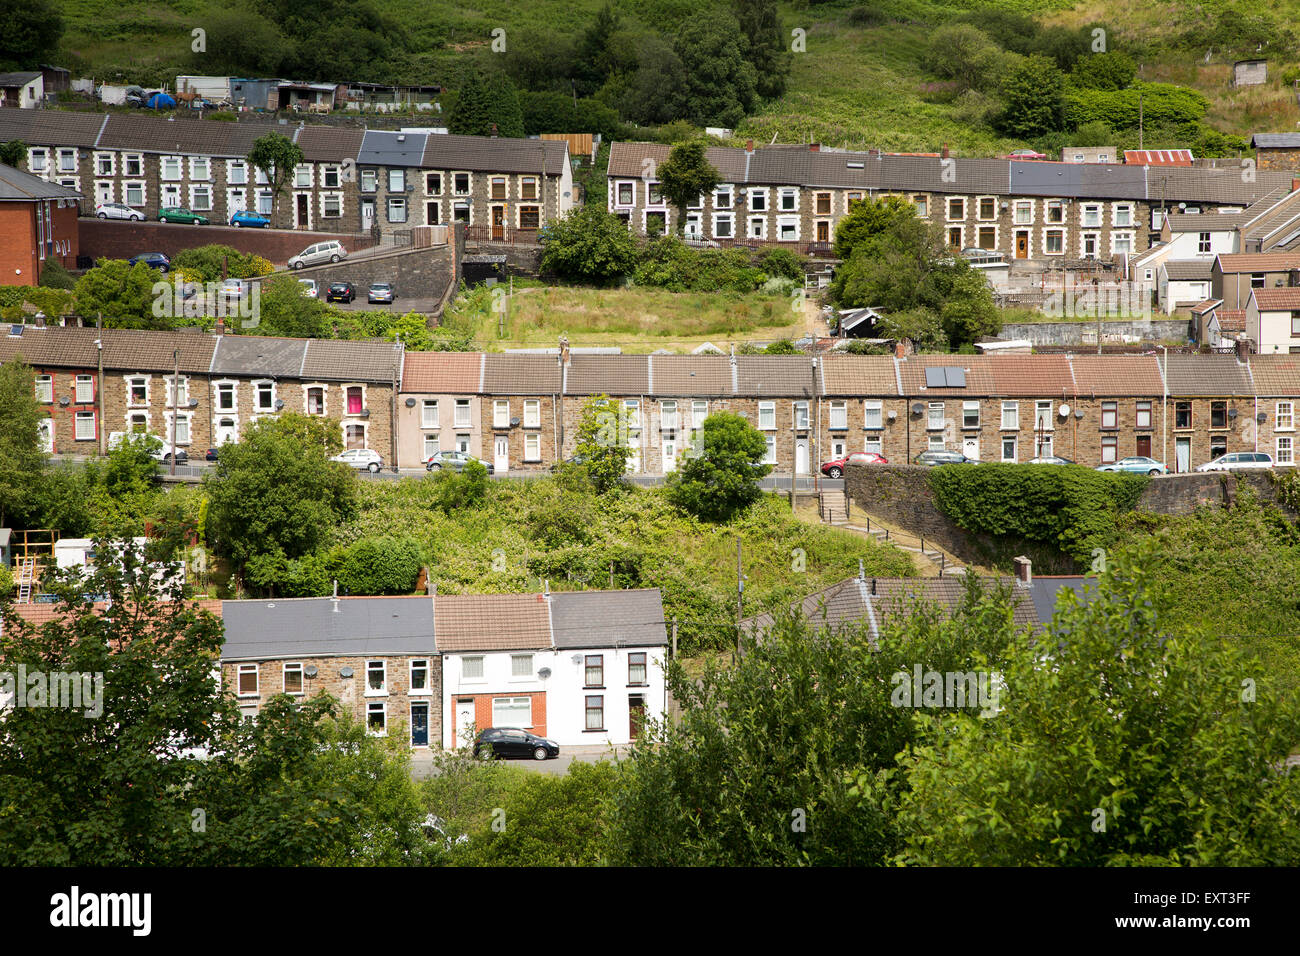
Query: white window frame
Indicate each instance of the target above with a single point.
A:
(757, 194)
(105, 164)
(243, 669)
(513, 703)
(1284, 417)
(1284, 446)
(379, 707)
(185, 419)
(236, 172)
(429, 416)
(799, 411)
(45, 389)
(967, 407)
(382, 690)
(501, 413)
(668, 415)
(288, 667)
(766, 416)
(413, 666)
(532, 446)
(934, 416)
(1014, 417)
(532, 413)
(331, 201)
(1011, 441)
(171, 169)
(1043, 413)
(258, 407)
(463, 421)
(878, 408)
(839, 415)
(132, 185)
(719, 220)
(465, 668)
(196, 190)
(84, 397)
(787, 193)
(787, 223)
(80, 418)
(524, 672)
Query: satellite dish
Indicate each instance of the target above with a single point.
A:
(310, 670)
(917, 408)
(1065, 410)
(892, 414)
(345, 673)
(544, 673)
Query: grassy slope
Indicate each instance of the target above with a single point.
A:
(650, 544)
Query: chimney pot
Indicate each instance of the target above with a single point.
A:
(814, 147)
(898, 350)
(1024, 571)
(749, 145)
(944, 151)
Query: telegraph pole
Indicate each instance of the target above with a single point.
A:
(176, 394)
(740, 594)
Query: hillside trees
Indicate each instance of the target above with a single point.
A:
(685, 176)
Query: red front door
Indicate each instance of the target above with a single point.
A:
(1144, 446)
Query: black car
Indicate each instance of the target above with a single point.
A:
(932, 458)
(341, 292)
(512, 742)
(211, 455)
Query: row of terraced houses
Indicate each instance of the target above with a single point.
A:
(521, 412)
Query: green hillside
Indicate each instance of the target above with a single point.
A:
(866, 76)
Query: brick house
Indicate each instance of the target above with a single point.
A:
(684, 390)
(375, 655)
(860, 408)
(582, 668)
(1277, 151)
(1025, 210)
(440, 408)
(1211, 399)
(38, 224)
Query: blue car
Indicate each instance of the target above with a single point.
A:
(1139, 465)
(245, 218)
(154, 260)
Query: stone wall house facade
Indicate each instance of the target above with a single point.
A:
(519, 411)
(349, 182)
(375, 655)
(1023, 209)
(1273, 414)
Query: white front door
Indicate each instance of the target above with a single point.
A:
(227, 430)
(970, 447)
(801, 456)
(464, 721)
(501, 455)
(670, 456)
(367, 214)
(1182, 455)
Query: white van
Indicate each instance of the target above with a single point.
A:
(330, 251)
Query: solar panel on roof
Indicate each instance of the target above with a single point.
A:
(15, 330)
(955, 377)
(935, 378)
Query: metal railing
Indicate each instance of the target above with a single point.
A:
(503, 234)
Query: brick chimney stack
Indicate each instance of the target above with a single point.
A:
(899, 350)
(1295, 183)
(814, 147)
(564, 350)
(1024, 572)
(749, 145)
(944, 152)
(221, 328)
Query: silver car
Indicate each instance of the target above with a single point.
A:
(116, 210)
(1239, 460)
(329, 251)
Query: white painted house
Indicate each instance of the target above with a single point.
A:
(583, 668)
(1183, 283)
(1273, 320)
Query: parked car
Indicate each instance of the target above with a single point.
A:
(164, 454)
(309, 289)
(211, 455)
(117, 210)
(512, 742)
(341, 292)
(379, 292)
(573, 460)
(181, 214)
(1026, 154)
(933, 458)
(154, 260)
(835, 468)
(362, 459)
(246, 217)
(1239, 460)
(455, 460)
(330, 251)
(233, 289)
(1138, 465)
(1051, 460)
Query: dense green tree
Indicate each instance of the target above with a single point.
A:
(32, 30)
(968, 313)
(381, 566)
(656, 92)
(588, 244)
(1129, 744)
(603, 442)
(54, 276)
(459, 491)
(242, 42)
(1033, 99)
(217, 261)
(276, 157)
(686, 176)
(286, 311)
(412, 330)
(593, 62)
(13, 153)
(123, 293)
(21, 457)
(487, 103)
(275, 493)
(720, 85)
(965, 55)
(1113, 70)
(719, 478)
(766, 47)
(868, 218)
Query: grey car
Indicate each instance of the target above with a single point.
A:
(455, 460)
(933, 458)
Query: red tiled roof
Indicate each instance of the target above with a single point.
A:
(1116, 375)
(449, 372)
(1269, 300)
(491, 622)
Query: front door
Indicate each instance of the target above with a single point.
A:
(498, 222)
(367, 214)
(1144, 446)
(970, 447)
(1182, 455)
(464, 720)
(420, 725)
(302, 219)
(226, 431)
(636, 715)
(823, 231)
(801, 456)
(431, 212)
(670, 455)
(1022, 245)
(501, 455)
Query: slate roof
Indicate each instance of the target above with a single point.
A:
(859, 374)
(391, 148)
(1085, 180)
(18, 79)
(341, 361)
(1207, 221)
(50, 127)
(443, 372)
(1210, 375)
(1204, 184)
(153, 134)
(496, 154)
(690, 376)
(608, 375)
(491, 622)
(17, 186)
(632, 618)
(1275, 374)
(765, 376)
(1046, 592)
(1118, 375)
(521, 374)
(1275, 141)
(1231, 263)
(1189, 270)
(124, 349)
(259, 356)
(311, 627)
(1271, 300)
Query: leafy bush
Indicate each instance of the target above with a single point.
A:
(54, 276)
(1162, 105)
(1068, 506)
(380, 566)
(721, 479)
(453, 491)
(668, 263)
(587, 244)
(205, 263)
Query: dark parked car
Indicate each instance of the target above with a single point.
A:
(575, 460)
(341, 292)
(455, 460)
(510, 742)
(154, 260)
(211, 455)
(835, 469)
(933, 458)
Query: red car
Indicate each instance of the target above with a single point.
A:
(835, 469)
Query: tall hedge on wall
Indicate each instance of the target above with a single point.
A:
(1066, 506)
